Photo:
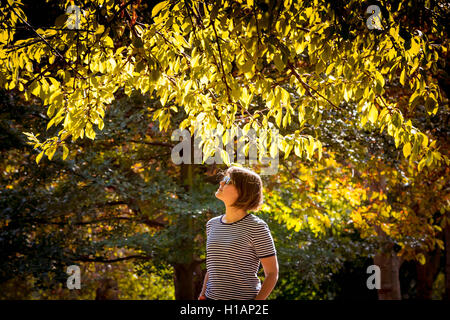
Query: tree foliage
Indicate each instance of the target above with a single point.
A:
(230, 64)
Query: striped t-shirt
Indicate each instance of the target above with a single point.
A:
(233, 251)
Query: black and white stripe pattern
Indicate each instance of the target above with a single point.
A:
(233, 251)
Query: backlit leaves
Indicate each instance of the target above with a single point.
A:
(234, 59)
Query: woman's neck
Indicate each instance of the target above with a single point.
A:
(233, 214)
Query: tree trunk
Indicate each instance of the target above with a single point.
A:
(184, 289)
(389, 264)
(188, 280)
(386, 258)
(184, 272)
(447, 258)
(426, 274)
(107, 290)
(199, 276)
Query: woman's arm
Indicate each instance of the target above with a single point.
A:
(270, 265)
(204, 285)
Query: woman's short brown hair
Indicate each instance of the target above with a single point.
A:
(249, 186)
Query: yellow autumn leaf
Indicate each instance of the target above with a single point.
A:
(39, 157)
(373, 114)
(403, 77)
(407, 149)
(421, 258)
(65, 152)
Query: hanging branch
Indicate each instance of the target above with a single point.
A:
(308, 87)
(188, 9)
(58, 54)
(105, 260)
(146, 221)
(224, 77)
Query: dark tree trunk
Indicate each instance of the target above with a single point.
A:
(426, 274)
(107, 290)
(184, 272)
(447, 258)
(186, 281)
(386, 258)
(389, 264)
(199, 276)
(184, 289)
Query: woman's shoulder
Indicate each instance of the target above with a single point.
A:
(256, 221)
(214, 219)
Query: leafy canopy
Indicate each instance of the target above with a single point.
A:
(250, 64)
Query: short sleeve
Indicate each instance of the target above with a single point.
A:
(263, 241)
(208, 227)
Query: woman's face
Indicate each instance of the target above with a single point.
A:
(227, 192)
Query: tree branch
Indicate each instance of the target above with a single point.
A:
(105, 260)
(224, 76)
(48, 44)
(153, 143)
(308, 87)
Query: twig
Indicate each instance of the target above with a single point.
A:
(381, 98)
(154, 143)
(14, 48)
(48, 44)
(257, 26)
(220, 56)
(105, 260)
(308, 87)
(192, 22)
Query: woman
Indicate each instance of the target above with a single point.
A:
(238, 241)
